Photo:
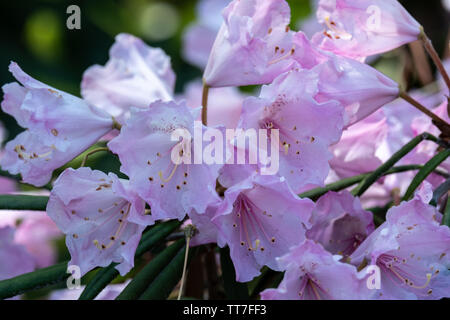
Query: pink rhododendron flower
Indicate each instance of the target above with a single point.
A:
(355, 153)
(253, 45)
(312, 273)
(310, 25)
(37, 234)
(412, 251)
(339, 223)
(6, 185)
(206, 230)
(306, 127)
(199, 37)
(59, 127)
(361, 28)
(306, 54)
(14, 257)
(146, 147)
(224, 104)
(260, 219)
(101, 216)
(35, 231)
(135, 76)
(359, 87)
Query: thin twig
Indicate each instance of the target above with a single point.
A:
(434, 56)
(205, 104)
(91, 153)
(189, 232)
(441, 123)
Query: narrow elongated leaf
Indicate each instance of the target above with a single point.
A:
(33, 280)
(166, 281)
(142, 280)
(372, 178)
(439, 192)
(316, 193)
(101, 279)
(446, 218)
(423, 173)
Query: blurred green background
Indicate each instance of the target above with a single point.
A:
(33, 33)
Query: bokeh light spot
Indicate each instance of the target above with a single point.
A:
(43, 34)
(158, 21)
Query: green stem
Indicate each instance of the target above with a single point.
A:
(374, 176)
(423, 173)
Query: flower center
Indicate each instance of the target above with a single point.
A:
(393, 265)
(123, 221)
(249, 220)
(23, 155)
(335, 32)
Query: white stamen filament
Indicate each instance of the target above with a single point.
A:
(287, 55)
(20, 150)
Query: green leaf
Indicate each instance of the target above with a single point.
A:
(316, 193)
(166, 281)
(378, 173)
(149, 240)
(423, 173)
(233, 290)
(142, 280)
(101, 279)
(439, 192)
(23, 202)
(446, 218)
(33, 280)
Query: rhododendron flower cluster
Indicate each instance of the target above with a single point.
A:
(268, 174)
